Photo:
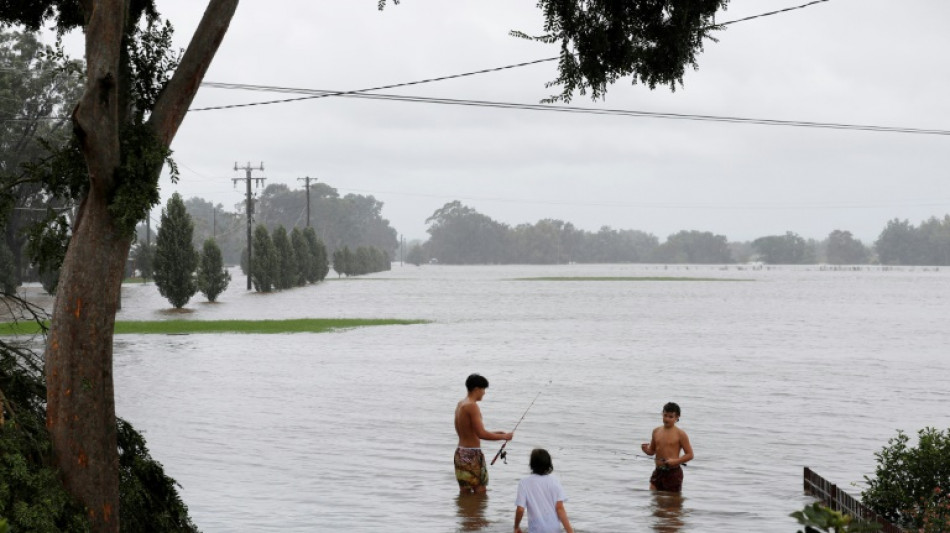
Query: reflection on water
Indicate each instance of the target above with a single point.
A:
(352, 431)
(668, 511)
(471, 511)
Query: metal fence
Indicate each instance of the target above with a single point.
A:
(838, 500)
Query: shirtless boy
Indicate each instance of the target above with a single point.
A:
(666, 443)
(471, 471)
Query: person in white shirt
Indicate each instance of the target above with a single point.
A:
(542, 496)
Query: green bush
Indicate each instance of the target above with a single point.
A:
(936, 517)
(907, 478)
(817, 516)
(32, 497)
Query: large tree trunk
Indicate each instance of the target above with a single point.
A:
(80, 392)
(80, 395)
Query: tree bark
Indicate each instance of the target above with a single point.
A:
(80, 391)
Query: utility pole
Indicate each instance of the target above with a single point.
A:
(250, 210)
(307, 185)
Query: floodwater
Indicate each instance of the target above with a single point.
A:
(352, 431)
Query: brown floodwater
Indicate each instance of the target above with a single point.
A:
(352, 431)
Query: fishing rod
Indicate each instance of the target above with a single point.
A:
(501, 452)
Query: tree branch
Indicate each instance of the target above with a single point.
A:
(173, 102)
(96, 115)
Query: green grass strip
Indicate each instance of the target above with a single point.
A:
(622, 278)
(181, 327)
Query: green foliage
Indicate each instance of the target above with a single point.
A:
(8, 275)
(175, 258)
(303, 259)
(352, 220)
(907, 478)
(143, 257)
(653, 41)
(151, 61)
(694, 247)
(902, 243)
(825, 519)
(149, 499)
(32, 497)
(788, 249)
(844, 249)
(266, 263)
(47, 247)
(136, 179)
(416, 255)
(936, 517)
(340, 257)
(212, 277)
(286, 259)
(38, 85)
(320, 265)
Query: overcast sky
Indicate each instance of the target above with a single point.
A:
(873, 62)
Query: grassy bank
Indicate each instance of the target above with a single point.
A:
(627, 278)
(182, 327)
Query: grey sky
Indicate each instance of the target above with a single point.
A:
(878, 62)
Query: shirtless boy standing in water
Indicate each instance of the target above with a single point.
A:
(471, 471)
(666, 443)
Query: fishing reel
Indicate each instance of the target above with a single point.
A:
(503, 455)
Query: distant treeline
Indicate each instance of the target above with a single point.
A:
(352, 220)
(460, 235)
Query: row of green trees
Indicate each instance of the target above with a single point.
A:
(459, 234)
(283, 261)
(349, 220)
(178, 268)
(366, 260)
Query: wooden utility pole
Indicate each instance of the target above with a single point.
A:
(249, 210)
(307, 185)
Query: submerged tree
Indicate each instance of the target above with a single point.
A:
(212, 277)
(303, 259)
(318, 250)
(175, 258)
(266, 264)
(287, 262)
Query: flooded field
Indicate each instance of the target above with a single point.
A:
(352, 431)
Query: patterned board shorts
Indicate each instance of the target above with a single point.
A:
(470, 470)
(668, 478)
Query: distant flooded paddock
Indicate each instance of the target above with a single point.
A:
(352, 431)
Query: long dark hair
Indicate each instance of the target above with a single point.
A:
(541, 462)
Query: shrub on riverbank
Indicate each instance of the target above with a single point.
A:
(32, 498)
(910, 482)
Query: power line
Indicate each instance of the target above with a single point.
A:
(770, 13)
(596, 111)
(381, 87)
(453, 76)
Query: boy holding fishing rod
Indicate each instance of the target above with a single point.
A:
(666, 443)
(470, 468)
